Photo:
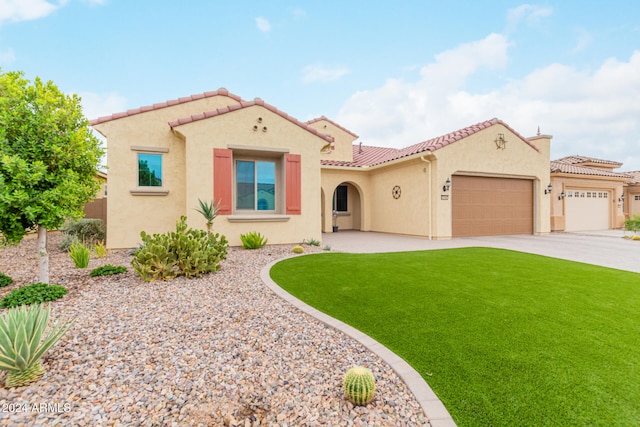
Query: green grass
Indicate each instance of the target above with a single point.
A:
(503, 338)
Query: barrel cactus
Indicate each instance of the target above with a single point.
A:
(297, 249)
(359, 385)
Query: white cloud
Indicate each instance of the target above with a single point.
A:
(96, 105)
(589, 112)
(7, 57)
(263, 25)
(25, 10)
(530, 14)
(584, 40)
(320, 73)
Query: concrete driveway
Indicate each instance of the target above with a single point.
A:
(606, 248)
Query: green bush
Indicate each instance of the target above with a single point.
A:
(253, 240)
(5, 280)
(107, 270)
(87, 230)
(80, 255)
(100, 249)
(185, 252)
(33, 293)
(632, 224)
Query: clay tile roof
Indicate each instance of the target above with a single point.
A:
(321, 118)
(635, 177)
(372, 156)
(246, 104)
(221, 91)
(578, 159)
(559, 166)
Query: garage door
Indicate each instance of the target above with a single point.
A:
(484, 206)
(586, 210)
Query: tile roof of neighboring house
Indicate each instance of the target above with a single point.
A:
(577, 159)
(170, 103)
(245, 104)
(372, 156)
(333, 123)
(635, 177)
(559, 166)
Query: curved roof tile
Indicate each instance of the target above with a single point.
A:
(563, 167)
(321, 118)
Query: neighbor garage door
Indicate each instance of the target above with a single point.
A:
(484, 206)
(586, 210)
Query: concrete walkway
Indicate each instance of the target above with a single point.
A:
(606, 248)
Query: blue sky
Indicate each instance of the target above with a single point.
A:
(394, 72)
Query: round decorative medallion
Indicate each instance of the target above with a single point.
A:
(396, 192)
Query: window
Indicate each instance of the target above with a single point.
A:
(636, 197)
(340, 198)
(149, 170)
(256, 185)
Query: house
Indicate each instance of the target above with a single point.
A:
(588, 194)
(632, 195)
(292, 180)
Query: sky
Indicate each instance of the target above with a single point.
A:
(393, 72)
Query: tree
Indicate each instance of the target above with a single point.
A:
(48, 160)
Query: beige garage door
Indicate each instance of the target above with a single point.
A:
(485, 206)
(586, 210)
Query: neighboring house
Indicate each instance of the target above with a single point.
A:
(588, 194)
(97, 208)
(291, 180)
(632, 195)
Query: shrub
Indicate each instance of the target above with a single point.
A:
(21, 343)
(5, 280)
(632, 224)
(31, 294)
(80, 255)
(253, 240)
(107, 270)
(100, 249)
(185, 252)
(297, 249)
(359, 385)
(311, 242)
(86, 230)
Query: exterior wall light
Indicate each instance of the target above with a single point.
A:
(549, 188)
(621, 199)
(561, 196)
(447, 185)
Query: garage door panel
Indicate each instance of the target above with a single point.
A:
(484, 206)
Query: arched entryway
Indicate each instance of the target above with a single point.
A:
(344, 208)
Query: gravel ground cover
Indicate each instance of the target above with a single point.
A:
(221, 350)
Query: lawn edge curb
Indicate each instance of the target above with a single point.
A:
(433, 408)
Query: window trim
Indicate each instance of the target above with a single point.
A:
(278, 185)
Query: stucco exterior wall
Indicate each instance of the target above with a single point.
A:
(479, 155)
(359, 181)
(342, 145)
(631, 205)
(235, 130)
(129, 213)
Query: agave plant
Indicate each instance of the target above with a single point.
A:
(209, 211)
(22, 344)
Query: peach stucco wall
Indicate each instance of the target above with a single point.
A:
(342, 150)
(421, 210)
(130, 213)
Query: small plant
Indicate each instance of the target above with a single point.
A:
(326, 248)
(253, 240)
(635, 237)
(311, 242)
(107, 270)
(100, 249)
(209, 211)
(359, 385)
(32, 294)
(80, 255)
(23, 342)
(632, 224)
(5, 280)
(297, 249)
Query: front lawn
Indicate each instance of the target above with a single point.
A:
(503, 338)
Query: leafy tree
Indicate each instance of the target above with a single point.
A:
(48, 160)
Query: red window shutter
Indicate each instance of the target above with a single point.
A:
(294, 184)
(222, 179)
